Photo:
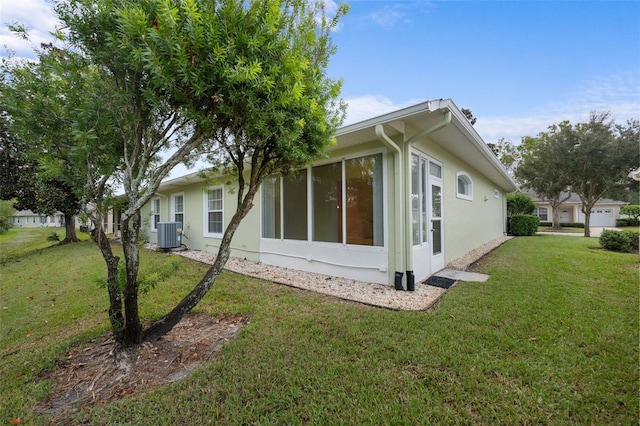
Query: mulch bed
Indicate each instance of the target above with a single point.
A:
(100, 372)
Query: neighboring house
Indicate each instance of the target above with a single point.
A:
(398, 196)
(29, 219)
(604, 212)
(110, 221)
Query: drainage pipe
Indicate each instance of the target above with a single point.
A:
(398, 204)
(407, 178)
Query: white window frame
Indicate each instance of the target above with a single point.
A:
(173, 208)
(310, 215)
(343, 190)
(462, 195)
(206, 211)
(539, 214)
(153, 226)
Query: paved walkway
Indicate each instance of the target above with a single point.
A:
(594, 230)
(462, 275)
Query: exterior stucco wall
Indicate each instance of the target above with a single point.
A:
(246, 241)
(467, 223)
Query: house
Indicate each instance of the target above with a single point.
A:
(29, 219)
(398, 197)
(604, 212)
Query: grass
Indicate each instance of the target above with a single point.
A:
(21, 241)
(551, 338)
(564, 230)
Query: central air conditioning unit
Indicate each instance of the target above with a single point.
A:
(168, 235)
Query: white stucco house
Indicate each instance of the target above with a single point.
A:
(398, 197)
(29, 219)
(604, 212)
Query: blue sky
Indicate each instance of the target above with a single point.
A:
(518, 65)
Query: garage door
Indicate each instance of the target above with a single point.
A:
(602, 217)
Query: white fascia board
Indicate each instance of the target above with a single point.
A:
(479, 143)
(427, 106)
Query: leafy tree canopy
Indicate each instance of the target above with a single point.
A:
(591, 159)
(243, 82)
(519, 204)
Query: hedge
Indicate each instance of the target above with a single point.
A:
(523, 224)
(565, 224)
(626, 221)
(622, 241)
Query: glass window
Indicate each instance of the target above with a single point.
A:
(342, 193)
(419, 199)
(435, 170)
(327, 203)
(294, 205)
(178, 210)
(155, 213)
(464, 186)
(215, 206)
(284, 207)
(415, 198)
(541, 212)
(271, 208)
(364, 200)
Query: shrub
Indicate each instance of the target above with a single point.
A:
(523, 224)
(53, 237)
(622, 241)
(565, 224)
(626, 221)
(572, 224)
(519, 204)
(633, 211)
(634, 240)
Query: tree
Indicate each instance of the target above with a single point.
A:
(600, 157)
(519, 204)
(30, 133)
(71, 113)
(508, 154)
(244, 82)
(543, 166)
(6, 213)
(588, 159)
(627, 189)
(633, 211)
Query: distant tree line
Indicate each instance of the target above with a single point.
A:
(592, 160)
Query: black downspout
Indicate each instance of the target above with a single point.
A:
(398, 281)
(411, 281)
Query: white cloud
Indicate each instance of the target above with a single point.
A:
(390, 15)
(38, 18)
(369, 106)
(616, 93)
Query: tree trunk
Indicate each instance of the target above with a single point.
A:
(113, 288)
(587, 219)
(133, 330)
(586, 209)
(163, 325)
(69, 229)
(555, 210)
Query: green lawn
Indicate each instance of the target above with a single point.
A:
(20, 241)
(551, 338)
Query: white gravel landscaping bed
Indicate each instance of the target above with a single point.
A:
(384, 296)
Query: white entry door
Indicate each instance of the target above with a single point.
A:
(426, 214)
(419, 214)
(437, 228)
